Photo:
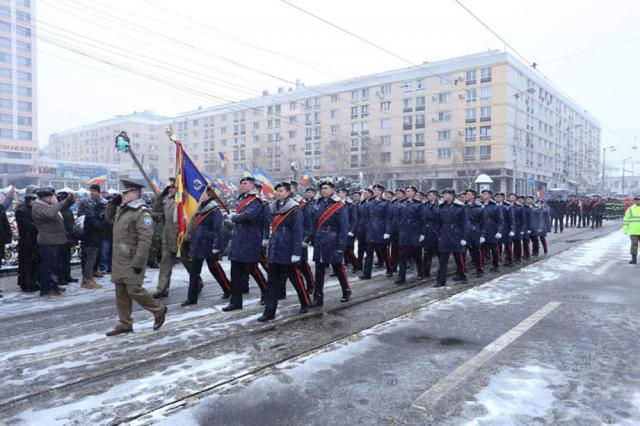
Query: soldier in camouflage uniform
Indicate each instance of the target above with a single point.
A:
(155, 251)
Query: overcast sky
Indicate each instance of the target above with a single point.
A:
(169, 54)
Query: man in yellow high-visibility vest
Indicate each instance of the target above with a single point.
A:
(632, 227)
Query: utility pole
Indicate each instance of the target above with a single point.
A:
(516, 138)
(604, 156)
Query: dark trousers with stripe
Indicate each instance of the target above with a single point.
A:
(278, 275)
(338, 269)
(443, 260)
(349, 254)
(305, 269)
(526, 250)
(407, 252)
(494, 250)
(394, 254)
(362, 248)
(382, 251)
(194, 276)
(429, 253)
(477, 257)
(239, 280)
(258, 276)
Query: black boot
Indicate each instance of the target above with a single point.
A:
(634, 259)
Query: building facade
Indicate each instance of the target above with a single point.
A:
(95, 144)
(438, 124)
(18, 109)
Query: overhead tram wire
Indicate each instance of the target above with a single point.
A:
(531, 64)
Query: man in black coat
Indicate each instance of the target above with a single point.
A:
(27, 246)
(65, 251)
(557, 206)
(94, 226)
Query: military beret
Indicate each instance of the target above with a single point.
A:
(500, 193)
(248, 179)
(369, 190)
(345, 190)
(514, 194)
(311, 188)
(473, 191)
(328, 183)
(357, 192)
(487, 190)
(448, 191)
(413, 188)
(380, 187)
(400, 190)
(94, 187)
(293, 183)
(433, 191)
(285, 185)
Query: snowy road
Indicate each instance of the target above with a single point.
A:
(366, 361)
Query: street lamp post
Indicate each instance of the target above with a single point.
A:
(530, 90)
(624, 162)
(604, 155)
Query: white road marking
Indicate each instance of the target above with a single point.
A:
(601, 270)
(453, 379)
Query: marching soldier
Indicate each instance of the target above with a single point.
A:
(378, 232)
(509, 229)
(519, 219)
(132, 232)
(526, 239)
(571, 210)
(493, 226)
(303, 266)
(284, 251)
(430, 225)
(557, 207)
(394, 246)
(329, 239)
(307, 212)
(255, 272)
(544, 226)
(597, 212)
(535, 224)
(206, 246)
(363, 222)
(352, 210)
(452, 231)
(246, 240)
(474, 231)
(411, 232)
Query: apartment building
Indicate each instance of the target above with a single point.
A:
(437, 124)
(18, 124)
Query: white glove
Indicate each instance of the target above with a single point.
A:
(463, 243)
(215, 251)
(350, 234)
(498, 236)
(539, 230)
(421, 238)
(386, 236)
(511, 234)
(482, 240)
(305, 244)
(522, 233)
(265, 243)
(528, 232)
(232, 214)
(295, 259)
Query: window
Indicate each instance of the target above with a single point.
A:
(485, 76)
(385, 140)
(485, 113)
(6, 118)
(443, 98)
(470, 134)
(408, 155)
(23, 31)
(420, 84)
(6, 104)
(470, 115)
(385, 157)
(385, 89)
(23, 46)
(470, 95)
(407, 141)
(444, 135)
(316, 117)
(485, 152)
(354, 144)
(6, 133)
(23, 3)
(355, 95)
(420, 121)
(444, 116)
(420, 102)
(316, 102)
(5, 12)
(293, 119)
(407, 104)
(5, 88)
(385, 106)
(354, 112)
(407, 122)
(307, 118)
(385, 123)
(4, 26)
(354, 160)
(25, 121)
(308, 133)
(23, 17)
(335, 129)
(23, 62)
(24, 91)
(365, 126)
(5, 73)
(419, 139)
(485, 133)
(307, 103)
(355, 127)
(470, 153)
(485, 94)
(335, 98)
(406, 86)
(419, 157)
(5, 42)
(5, 58)
(292, 134)
(335, 113)
(471, 77)
(293, 106)
(24, 135)
(444, 79)
(364, 94)
(364, 111)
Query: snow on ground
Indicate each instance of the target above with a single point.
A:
(96, 409)
(515, 396)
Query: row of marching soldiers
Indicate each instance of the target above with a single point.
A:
(397, 228)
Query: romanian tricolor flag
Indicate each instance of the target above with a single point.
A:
(190, 184)
(155, 184)
(306, 177)
(245, 171)
(265, 178)
(222, 184)
(98, 179)
(224, 159)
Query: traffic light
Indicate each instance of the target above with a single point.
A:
(122, 142)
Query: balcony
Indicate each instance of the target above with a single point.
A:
(419, 125)
(470, 120)
(469, 82)
(407, 109)
(420, 108)
(485, 118)
(485, 79)
(407, 127)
